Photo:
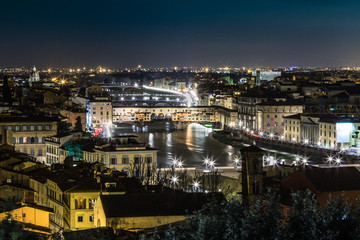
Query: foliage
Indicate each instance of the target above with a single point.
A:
(143, 170)
(265, 218)
(78, 125)
(13, 230)
(90, 234)
(63, 127)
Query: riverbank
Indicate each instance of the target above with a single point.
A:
(226, 138)
(229, 139)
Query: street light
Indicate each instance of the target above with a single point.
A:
(329, 159)
(180, 164)
(196, 185)
(174, 180)
(305, 160)
(212, 164)
(174, 162)
(338, 160)
(296, 161)
(206, 161)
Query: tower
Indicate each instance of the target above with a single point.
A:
(34, 76)
(252, 171)
(258, 77)
(6, 91)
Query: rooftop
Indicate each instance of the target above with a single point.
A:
(23, 118)
(331, 179)
(154, 204)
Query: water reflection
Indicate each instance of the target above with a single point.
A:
(191, 145)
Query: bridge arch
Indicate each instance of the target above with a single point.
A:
(168, 116)
(153, 116)
(161, 116)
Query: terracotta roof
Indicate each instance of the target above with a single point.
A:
(333, 179)
(155, 204)
(281, 103)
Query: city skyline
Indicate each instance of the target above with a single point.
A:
(200, 34)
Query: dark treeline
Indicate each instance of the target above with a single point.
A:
(266, 218)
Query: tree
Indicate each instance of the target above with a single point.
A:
(63, 127)
(265, 219)
(143, 170)
(78, 125)
(10, 229)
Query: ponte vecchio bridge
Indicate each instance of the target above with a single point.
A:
(200, 114)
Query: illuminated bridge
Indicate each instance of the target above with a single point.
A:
(205, 114)
(146, 96)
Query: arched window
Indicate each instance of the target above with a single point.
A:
(14, 140)
(32, 140)
(21, 140)
(28, 140)
(36, 140)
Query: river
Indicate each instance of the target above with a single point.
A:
(191, 145)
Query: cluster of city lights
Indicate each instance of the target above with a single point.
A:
(269, 160)
(300, 160)
(333, 160)
(177, 163)
(209, 163)
(237, 160)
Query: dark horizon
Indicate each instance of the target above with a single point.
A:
(125, 34)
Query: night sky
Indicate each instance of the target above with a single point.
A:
(121, 33)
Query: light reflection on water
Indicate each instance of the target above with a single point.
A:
(192, 145)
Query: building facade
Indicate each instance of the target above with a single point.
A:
(99, 112)
(124, 154)
(325, 130)
(29, 133)
(270, 115)
(247, 109)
